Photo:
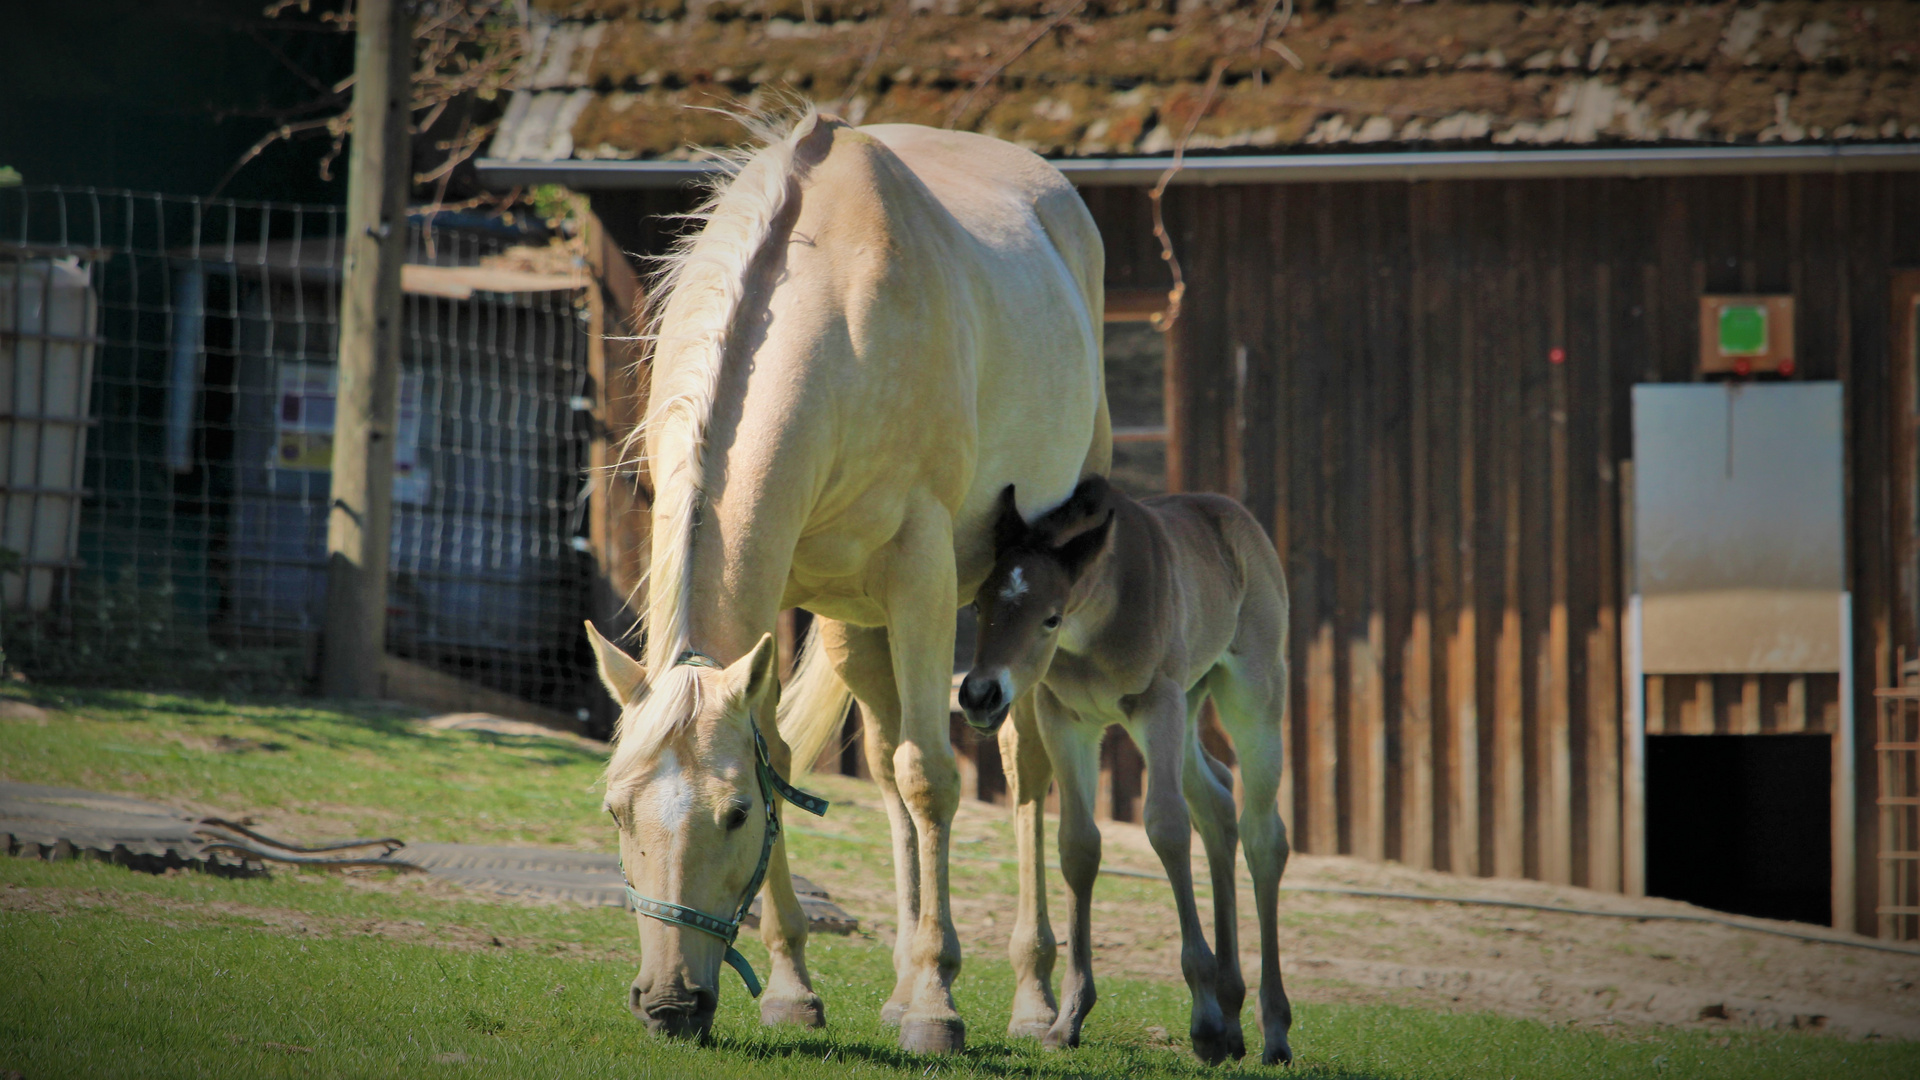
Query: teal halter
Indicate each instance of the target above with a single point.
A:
(727, 930)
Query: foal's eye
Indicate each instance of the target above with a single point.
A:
(736, 817)
(1052, 623)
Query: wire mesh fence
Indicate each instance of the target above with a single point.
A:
(166, 412)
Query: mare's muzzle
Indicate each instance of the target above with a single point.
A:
(985, 699)
(675, 1009)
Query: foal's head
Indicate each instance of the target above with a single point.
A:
(682, 785)
(1021, 604)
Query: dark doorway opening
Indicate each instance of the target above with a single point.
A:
(1740, 823)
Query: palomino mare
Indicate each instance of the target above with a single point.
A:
(1111, 611)
(876, 330)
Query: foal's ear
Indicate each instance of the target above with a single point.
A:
(756, 675)
(1009, 528)
(621, 674)
(1080, 550)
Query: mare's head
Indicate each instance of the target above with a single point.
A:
(683, 787)
(1020, 606)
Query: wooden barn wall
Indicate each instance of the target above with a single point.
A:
(1369, 367)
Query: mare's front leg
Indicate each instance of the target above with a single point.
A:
(790, 998)
(1073, 745)
(862, 657)
(1158, 724)
(1032, 947)
(918, 589)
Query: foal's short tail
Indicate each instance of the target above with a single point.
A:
(812, 705)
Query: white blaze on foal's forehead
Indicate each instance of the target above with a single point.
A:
(1016, 586)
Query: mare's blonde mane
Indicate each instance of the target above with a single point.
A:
(705, 280)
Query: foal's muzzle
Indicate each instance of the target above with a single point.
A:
(985, 699)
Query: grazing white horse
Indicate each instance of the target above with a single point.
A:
(876, 331)
(1111, 611)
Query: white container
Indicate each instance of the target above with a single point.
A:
(49, 316)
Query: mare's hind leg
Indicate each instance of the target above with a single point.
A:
(861, 657)
(1252, 711)
(1031, 949)
(1073, 745)
(1159, 726)
(1209, 791)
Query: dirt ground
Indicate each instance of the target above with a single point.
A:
(1562, 969)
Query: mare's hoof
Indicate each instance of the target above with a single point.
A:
(807, 1011)
(938, 1035)
(1278, 1052)
(1029, 1029)
(1060, 1037)
(892, 1013)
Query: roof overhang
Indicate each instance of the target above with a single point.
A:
(1314, 168)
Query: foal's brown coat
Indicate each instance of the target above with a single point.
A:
(1107, 611)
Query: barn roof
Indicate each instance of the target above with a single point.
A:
(622, 79)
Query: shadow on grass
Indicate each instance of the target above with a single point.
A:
(995, 1058)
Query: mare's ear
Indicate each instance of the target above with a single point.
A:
(1080, 550)
(755, 677)
(1009, 528)
(621, 674)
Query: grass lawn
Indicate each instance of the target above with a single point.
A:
(104, 972)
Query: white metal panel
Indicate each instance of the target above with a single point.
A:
(1738, 531)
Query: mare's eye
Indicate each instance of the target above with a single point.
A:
(736, 817)
(1052, 623)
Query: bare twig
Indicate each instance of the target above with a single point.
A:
(873, 55)
(1065, 13)
(1163, 321)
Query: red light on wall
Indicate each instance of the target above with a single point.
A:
(1743, 367)
(1556, 355)
(1786, 367)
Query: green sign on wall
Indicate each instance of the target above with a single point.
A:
(1743, 330)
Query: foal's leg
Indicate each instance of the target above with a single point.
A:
(861, 656)
(783, 927)
(1209, 791)
(1252, 712)
(1159, 726)
(1032, 946)
(1073, 745)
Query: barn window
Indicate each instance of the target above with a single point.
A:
(1137, 400)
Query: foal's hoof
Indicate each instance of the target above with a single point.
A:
(938, 1035)
(807, 1011)
(1212, 1045)
(1278, 1052)
(1060, 1037)
(1236, 1041)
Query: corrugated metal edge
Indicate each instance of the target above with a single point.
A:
(1311, 168)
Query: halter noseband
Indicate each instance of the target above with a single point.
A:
(727, 930)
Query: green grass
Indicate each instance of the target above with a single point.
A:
(104, 972)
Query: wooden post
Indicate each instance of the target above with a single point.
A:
(366, 401)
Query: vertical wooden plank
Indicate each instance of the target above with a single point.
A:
(1555, 714)
(1604, 717)
(1461, 552)
(1509, 753)
(1361, 548)
(1657, 705)
(1416, 673)
(1280, 282)
(1746, 719)
(1316, 432)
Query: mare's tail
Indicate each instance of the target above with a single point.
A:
(812, 705)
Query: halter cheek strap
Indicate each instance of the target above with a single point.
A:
(728, 930)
